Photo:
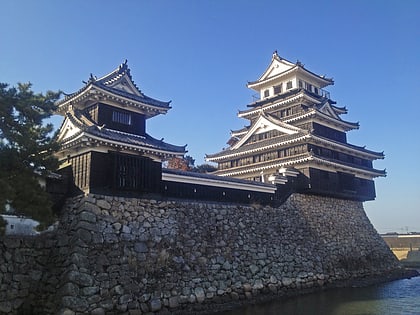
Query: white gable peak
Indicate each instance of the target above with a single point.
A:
(278, 65)
(67, 130)
(263, 124)
(328, 110)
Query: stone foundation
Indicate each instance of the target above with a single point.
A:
(135, 256)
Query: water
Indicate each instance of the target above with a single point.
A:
(401, 297)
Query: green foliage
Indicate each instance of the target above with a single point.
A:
(26, 150)
(204, 168)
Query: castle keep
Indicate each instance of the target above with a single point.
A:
(295, 128)
(103, 136)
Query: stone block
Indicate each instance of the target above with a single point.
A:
(117, 290)
(155, 304)
(97, 238)
(79, 278)
(173, 302)
(125, 299)
(141, 247)
(258, 285)
(272, 288)
(116, 226)
(88, 291)
(247, 287)
(199, 294)
(110, 238)
(79, 260)
(69, 289)
(144, 307)
(101, 203)
(94, 299)
(11, 242)
(74, 303)
(98, 311)
(254, 269)
(106, 304)
(287, 281)
(90, 208)
(87, 216)
(86, 226)
(5, 307)
(66, 311)
(126, 229)
(234, 296)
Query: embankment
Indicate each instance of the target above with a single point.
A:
(115, 255)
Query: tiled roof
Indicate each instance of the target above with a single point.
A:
(279, 162)
(89, 128)
(105, 83)
(215, 177)
(131, 139)
(273, 99)
(350, 165)
(259, 145)
(297, 66)
(294, 161)
(143, 98)
(379, 155)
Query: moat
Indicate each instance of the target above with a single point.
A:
(396, 297)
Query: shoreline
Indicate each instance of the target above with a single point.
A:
(267, 296)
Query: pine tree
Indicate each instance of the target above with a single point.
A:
(26, 150)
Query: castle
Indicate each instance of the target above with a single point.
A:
(140, 239)
(295, 142)
(295, 128)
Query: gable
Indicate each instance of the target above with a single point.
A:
(68, 130)
(263, 124)
(327, 109)
(124, 84)
(276, 67)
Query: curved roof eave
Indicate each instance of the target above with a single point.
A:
(111, 77)
(295, 68)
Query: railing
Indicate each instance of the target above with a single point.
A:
(321, 92)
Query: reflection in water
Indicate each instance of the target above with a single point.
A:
(401, 297)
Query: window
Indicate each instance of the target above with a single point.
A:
(267, 93)
(277, 89)
(121, 118)
(289, 85)
(300, 84)
(316, 90)
(309, 87)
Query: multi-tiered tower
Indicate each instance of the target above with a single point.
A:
(295, 129)
(103, 136)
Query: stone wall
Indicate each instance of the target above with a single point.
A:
(30, 273)
(136, 256)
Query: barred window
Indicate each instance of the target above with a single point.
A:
(122, 118)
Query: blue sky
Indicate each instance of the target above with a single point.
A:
(201, 54)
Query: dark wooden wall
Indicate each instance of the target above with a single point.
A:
(101, 114)
(329, 133)
(117, 173)
(342, 185)
(211, 193)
